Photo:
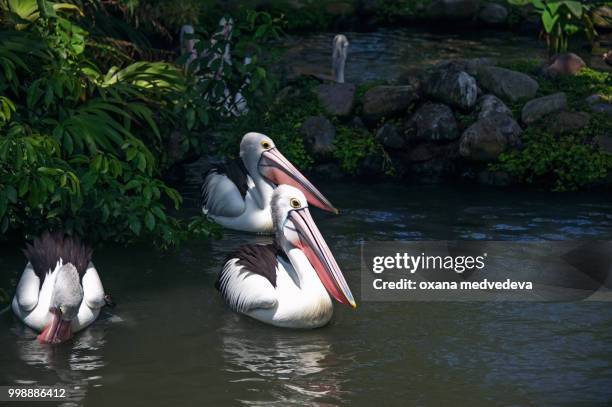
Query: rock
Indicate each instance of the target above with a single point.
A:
(433, 162)
(456, 88)
(491, 104)
(493, 13)
(536, 109)
(486, 139)
(494, 178)
(567, 122)
(435, 122)
(319, 134)
(602, 108)
(605, 143)
(339, 9)
(470, 65)
(564, 64)
(390, 137)
(388, 101)
(337, 99)
(452, 9)
(507, 84)
(596, 98)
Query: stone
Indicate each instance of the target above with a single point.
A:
(493, 13)
(602, 108)
(605, 143)
(567, 122)
(564, 65)
(337, 99)
(536, 109)
(339, 9)
(470, 65)
(491, 104)
(486, 139)
(507, 84)
(388, 101)
(421, 153)
(494, 178)
(389, 136)
(453, 87)
(452, 9)
(319, 134)
(435, 122)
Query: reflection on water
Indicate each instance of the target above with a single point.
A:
(74, 365)
(303, 363)
(178, 345)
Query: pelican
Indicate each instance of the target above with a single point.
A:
(289, 283)
(339, 53)
(237, 195)
(187, 45)
(59, 292)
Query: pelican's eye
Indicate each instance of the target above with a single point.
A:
(266, 145)
(295, 203)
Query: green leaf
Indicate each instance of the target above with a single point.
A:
(150, 221)
(575, 8)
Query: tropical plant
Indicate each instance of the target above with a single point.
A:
(561, 19)
(81, 148)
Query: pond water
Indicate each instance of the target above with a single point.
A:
(388, 54)
(171, 340)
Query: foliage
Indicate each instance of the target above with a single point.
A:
(577, 87)
(565, 163)
(561, 19)
(215, 80)
(353, 145)
(281, 121)
(80, 148)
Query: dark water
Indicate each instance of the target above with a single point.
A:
(388, 54)
(171, 341)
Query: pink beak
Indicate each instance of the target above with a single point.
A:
(276, 168)
(57, 331)
(316, 250)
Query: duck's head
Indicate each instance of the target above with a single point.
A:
(66, 299)
(295, 228)
(260, 155)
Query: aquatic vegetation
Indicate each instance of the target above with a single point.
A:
(561, 20)
(562, 162)
(353, 145)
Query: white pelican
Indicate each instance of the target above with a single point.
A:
(188, 45)
(339, 53)
(286, 284)
(237, 195)
(60, 291)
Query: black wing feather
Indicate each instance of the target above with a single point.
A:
(234, 170)
(256, 258)
(45, 251)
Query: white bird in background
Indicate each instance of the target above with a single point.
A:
(237, 195)
(59, 292)
(288, 283)
(236, 104)
(187, 45)
(340, 51)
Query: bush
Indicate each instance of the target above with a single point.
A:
(81, 148)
